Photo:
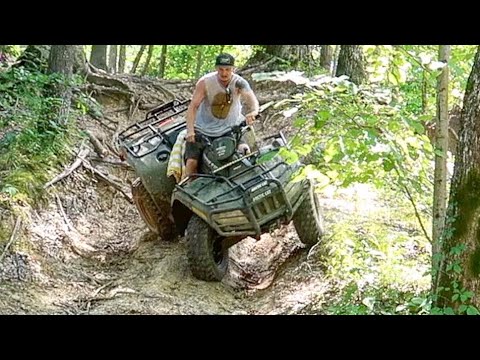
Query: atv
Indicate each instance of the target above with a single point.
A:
(236, 194)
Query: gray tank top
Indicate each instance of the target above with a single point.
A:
(221, 108)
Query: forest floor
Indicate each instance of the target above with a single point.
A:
(87, 250)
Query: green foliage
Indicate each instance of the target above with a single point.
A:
(181, 60)
(379, 259)
(33, 143)
(355, 135)
(409, 66)
(457, 295)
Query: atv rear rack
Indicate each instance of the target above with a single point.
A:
(149, 132)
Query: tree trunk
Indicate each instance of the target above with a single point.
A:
(463, 266)
(38, 57)
(440, 174)
(424, 91)
(122, 58)
(163, 60)
(326, 54)
(98, 57)
(199, 61)
(61, 61)
(79, 60)
(112, 59)
(149, 58)
(351, 62)
(137, 59)
(335, 59)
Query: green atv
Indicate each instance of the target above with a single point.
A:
(235, 195)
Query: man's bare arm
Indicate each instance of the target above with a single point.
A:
(198, 96)
(252, 105)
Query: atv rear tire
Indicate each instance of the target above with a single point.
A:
(156, 221)
(207, 254)
(308, 219)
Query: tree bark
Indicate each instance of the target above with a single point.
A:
(112, 59)
(199, 61)
(163, 60)
(98, 57)
(351, 62)
(122, 59)
(335, 59)
(137, 58)
(293, 54)
(149, 58)
(463, 214)
(61, 61)
(326, 55)
(440, 173)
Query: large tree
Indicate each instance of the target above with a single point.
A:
(137, 58)
(61, 61)
(163, 60)
(98, 57)
(326, 56)
(112, 59)
(351, 62)
(122, 59)
(460, 269)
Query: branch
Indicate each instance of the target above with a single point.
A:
(415, 59)
(99, 148)
(417, 214)
(18, 224)
(132, 111)
(81, 156)
(164, 90)
(111, 162)
(109, 179)
(76, 239)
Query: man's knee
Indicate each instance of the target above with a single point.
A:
(191, 162)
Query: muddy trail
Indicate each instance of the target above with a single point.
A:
(87, 250)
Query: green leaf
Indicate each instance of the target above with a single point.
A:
(388, 165)
(448, 311)
(289, 156)
(455, 297)
(417, 300)
(332, 174)
(462, 308)
(418, 127)
(457, 268)
(436, 311)
(471, 310)
(439, 153)
(330, 151)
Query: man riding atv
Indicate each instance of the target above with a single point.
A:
(226, 195)
(217, 106)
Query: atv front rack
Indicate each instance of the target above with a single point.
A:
(244, 208)
(144, 137)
